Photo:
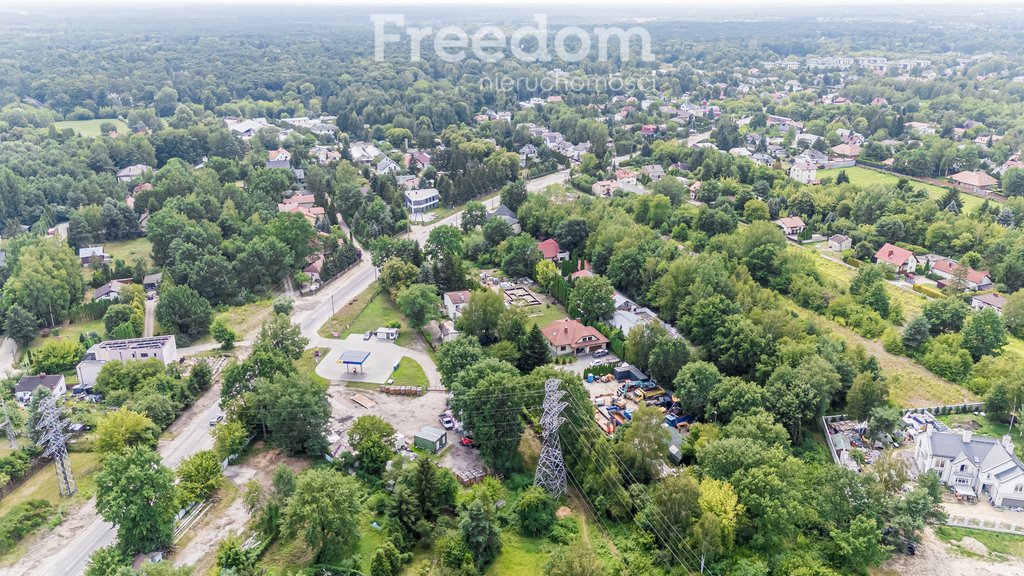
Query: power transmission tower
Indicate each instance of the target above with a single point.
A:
(55, 444)
(8, 426)
(551, 473)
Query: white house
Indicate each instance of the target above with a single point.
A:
(132, 172)
(900, 258)
(791, 225)
(279, 158)
(422, 200)
(162, 348)
(111, 290)
(839, 242)
(93, 255)
(994, 301)
(28, 384)
(973, 465)
(455, 301)
(804, 172)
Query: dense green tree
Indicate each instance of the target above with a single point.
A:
(108, 561)
(20, 325)
(456, 355)
(372, 439)
(867, 392)
(46, 280)
(135, 492)
(572, 234)
(534, 351)
(481, 534)
(121, 429)
(519, 255)
(513, 195)
(666, 359)
(592, 299)
(419, 303)
(983, 333)
(323, 509)
(199, 476)
(275, 401)
(916, 333)
(473, 214)
(535, 511)
(58, 355)
(644, 445)
(946, 315)
(182, 311)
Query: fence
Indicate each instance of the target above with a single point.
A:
(36, 465)
(990, 525)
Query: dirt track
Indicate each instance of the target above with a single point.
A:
(936, 558)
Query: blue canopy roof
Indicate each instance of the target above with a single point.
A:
(354, 356)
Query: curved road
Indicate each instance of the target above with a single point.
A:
(71, 551)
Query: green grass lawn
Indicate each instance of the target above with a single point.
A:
(90, 127)
(410, 373)
(866, 177)
(129, 250)
(307, 365)
(69, 331)
(43, 484)
(368, 311)
(982, 426)
(544, 315)
(520, 556)
(996, 542)
(841, 275)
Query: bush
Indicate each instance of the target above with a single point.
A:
(535, 511)
(928, 291)
(893, 341)
(565, 530)
(58, 356)
(21, 520)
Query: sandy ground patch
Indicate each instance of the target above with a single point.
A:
(935, 558)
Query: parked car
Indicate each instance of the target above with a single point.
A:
(216, 419)
(446, 421)
(601, 353)
(597, 362)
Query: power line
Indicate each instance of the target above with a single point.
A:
(550, 473)
(55, 444)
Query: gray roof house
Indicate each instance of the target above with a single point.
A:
(973, 465)
(507, 215)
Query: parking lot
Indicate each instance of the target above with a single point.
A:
(584, 361)
(407, 414)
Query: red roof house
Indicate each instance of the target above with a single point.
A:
(568, 336)
(900, 258)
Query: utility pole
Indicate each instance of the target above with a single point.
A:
(551, 474)
(12, 438)
(55, 444)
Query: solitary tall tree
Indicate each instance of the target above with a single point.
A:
(135, 492)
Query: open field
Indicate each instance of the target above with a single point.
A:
(996, 542)
(866, 177)
(129, 250)
(520, 556)
(43, 484)
(842, 274)
(368, 311)
(90, 127)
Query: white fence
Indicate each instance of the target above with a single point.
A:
(990, 525)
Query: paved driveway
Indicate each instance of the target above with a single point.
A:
(378, 367)
(583, 361)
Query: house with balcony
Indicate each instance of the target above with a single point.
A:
(973, 466)
(568, 336)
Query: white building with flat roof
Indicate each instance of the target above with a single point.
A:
(422, 200)
(160, 348)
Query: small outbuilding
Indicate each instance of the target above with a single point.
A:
(385, 333)
(430, 438)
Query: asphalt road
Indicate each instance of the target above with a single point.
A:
(194, 435)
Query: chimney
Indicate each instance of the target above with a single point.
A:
(1008, 443)
(566, 329)
(890, 253)
(967, 435)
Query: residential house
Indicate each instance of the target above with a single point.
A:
(160, 348)
(279, 158)
(653, 171)
(951, 271)
(626, 176)
(921, 128)
(132, 172)
(791, 225)
(93, 255)
(973, 465)
(363, 152)
(455, 301)
(550, 250)
(418, 201)
(762, 158)
(628, 315)
(303, 204)
(846, 150)
(551, 138)
(568, 336)
(839, 242)
(508, 216)
(604, 187)
(151, 282)
(900, 258)
(528, 152)
(994, 301)
(111, 290)
(448, 330)
(694, 189)
(974, 181)
(388, 166)
(407, 181)
(29, 384)
(416, 159)
(649, 130)
(246, 128)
